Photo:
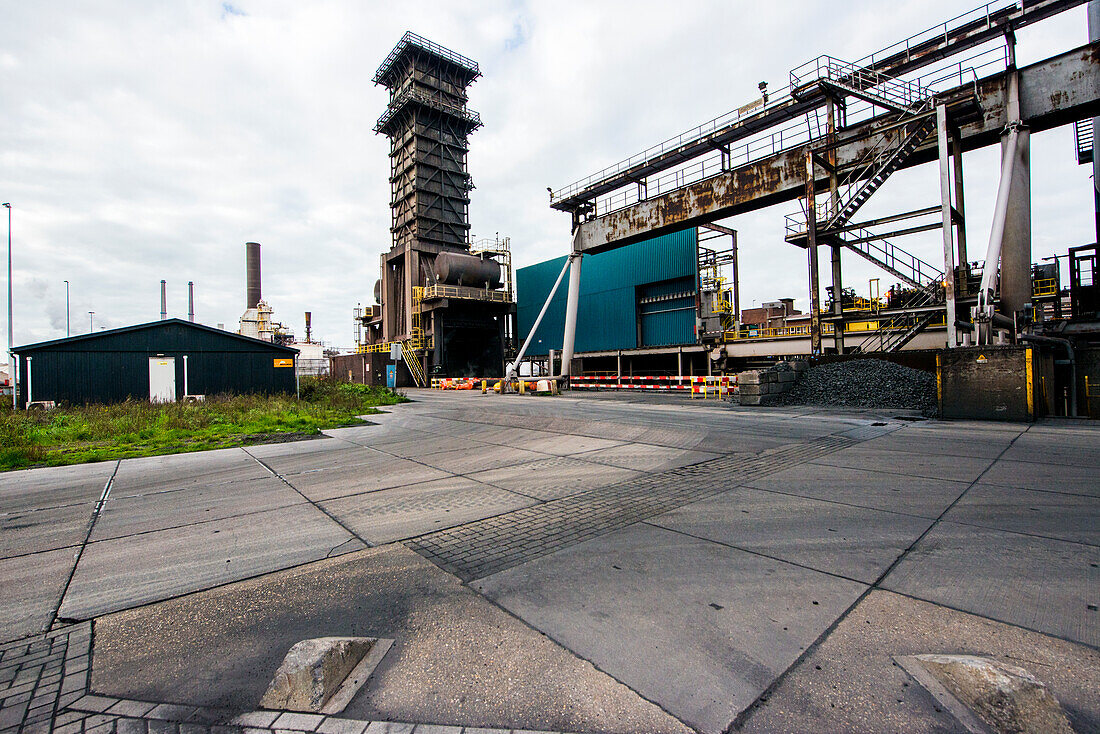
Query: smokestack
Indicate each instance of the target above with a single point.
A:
(190, 300)
(163, 300)
(252, 274)
(308, 332)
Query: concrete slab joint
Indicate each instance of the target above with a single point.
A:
(313, 671)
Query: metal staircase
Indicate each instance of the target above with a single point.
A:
(877, 166)
(408, 352)
(897, 331)
(1082, 139)
(891, 147)
(893, 144)
(890, 257)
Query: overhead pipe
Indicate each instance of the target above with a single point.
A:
(512, 368)
(1068, 346)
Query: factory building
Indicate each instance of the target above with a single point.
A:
(444, 304)
(162, 361)
(643, 295)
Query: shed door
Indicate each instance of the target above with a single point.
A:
(162, 379)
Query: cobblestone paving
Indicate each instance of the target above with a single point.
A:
(41, 675)
(484, 547)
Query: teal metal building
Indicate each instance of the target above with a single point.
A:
(642, 295)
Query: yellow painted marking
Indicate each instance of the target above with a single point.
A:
(1030, 386)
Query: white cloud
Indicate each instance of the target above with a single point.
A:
(144, 141)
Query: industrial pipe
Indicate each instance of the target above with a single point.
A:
(571, 307)
(996, 234)
(190, 300)
(1040, 339)
(511, 372)
(163, 301)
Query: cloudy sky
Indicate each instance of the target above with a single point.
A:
(141, 141)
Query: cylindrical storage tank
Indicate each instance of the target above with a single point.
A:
(252, 274)
(378, 291)
(456, 268)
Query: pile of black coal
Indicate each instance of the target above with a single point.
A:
(865, 383)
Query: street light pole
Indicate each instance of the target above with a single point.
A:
(67, 332)
(11, 342)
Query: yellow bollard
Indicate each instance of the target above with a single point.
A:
(521, 386)
(484, 387)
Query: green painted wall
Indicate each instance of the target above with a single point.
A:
(611, 284)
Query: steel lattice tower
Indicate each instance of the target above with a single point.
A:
(428, 126)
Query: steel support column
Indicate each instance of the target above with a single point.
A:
(955, 138)
(571, 307)
(736, 282)
(948, 228)
(811, 255)
(834, 207)
(1094, 35)
(1015, 282)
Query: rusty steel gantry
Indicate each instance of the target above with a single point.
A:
(835, 135)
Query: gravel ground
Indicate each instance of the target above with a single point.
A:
(866, 383)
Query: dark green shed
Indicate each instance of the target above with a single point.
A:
(161, 360)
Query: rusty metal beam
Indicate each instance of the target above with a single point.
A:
(1054, 92)
(719, 228)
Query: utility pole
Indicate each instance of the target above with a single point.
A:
(11, 338)
(67, 331)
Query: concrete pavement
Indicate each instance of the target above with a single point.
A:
(595, 564)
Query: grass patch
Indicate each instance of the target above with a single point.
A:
(77, 435)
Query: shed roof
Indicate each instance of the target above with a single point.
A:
(151, 325)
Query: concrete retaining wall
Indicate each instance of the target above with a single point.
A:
(988, 383)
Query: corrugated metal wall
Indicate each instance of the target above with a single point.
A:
(611, 284)
(667, 312)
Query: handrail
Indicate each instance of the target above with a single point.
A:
(784, 97)
(416, 41)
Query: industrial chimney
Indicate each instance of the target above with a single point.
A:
(163, 300)
(308, 331)
(252, 273)
(190, 300)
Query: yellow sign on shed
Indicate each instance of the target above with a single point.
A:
(284, 363)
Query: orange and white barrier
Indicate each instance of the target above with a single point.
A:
(712, 385)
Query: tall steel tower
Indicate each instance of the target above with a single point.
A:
(428, 126)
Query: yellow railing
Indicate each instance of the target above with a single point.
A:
(775, 332)
(458, 291)
(413, 362)
(1045, 287)
(788, 332)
